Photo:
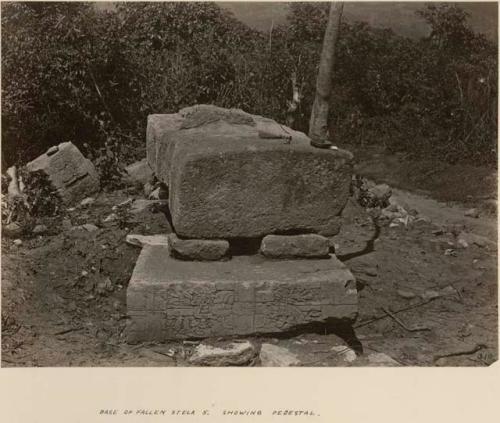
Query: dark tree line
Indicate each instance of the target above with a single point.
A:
(73, 73)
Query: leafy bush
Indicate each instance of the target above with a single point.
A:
(73, 73)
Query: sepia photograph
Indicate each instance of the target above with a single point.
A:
(250, 184)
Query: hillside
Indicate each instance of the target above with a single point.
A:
(400, 16)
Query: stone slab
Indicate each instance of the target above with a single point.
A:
(295, 246)
(197, 249)
(203, 119)
(74, 176)
(174, 299)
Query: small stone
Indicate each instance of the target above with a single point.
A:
(450, 252)
(381, 193)
(140, 206)
(12, 230)
(40, 229)
(142, 240)
(232, 354)
(430, 295)
(408, 295)
(139, 172)
(66, 224)
(295, 246)
(112, 217)
(197, 249)
(478, 240)
(116, 304)
(381, 359)
(103, 286)
(449, 291)
(462, 243)
(87, 201)
(438, 232)
(275, 356)
(472, 213)
(108, 285)
(90, 227)
(160, 193)
(347, 353)
(148, 189)
(84, 273)
(18, 242)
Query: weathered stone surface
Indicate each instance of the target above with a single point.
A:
(295, 246)
(381, 360)
(275, 356)
(232, 354)
(229, 187)
(74, 176)
(158, 145)
(142, 240)
(40, 229)
(174, 299)
(226, 181)
(139, 172)
(197, 249)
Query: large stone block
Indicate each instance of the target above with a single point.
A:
(203, 119)
(173, 299)
(74, 176)
(226, 181)
(229, 187)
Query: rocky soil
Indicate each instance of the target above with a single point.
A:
(427, 284)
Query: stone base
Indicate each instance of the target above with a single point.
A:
(174, 299)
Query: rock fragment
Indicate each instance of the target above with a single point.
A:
(472, 213)
(197, 249)
(381, 359)
(139, 172)
(142, 240)
(274, 356)
(40, 229)
(73, 176)
(295, 246)
(346, 353)
(232, 354)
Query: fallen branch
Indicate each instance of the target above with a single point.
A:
(375, 319)
(63, 332)
(400, 323)
(470, 351)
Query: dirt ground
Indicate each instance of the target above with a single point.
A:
(63, 293)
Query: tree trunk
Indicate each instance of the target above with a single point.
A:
(318, 125)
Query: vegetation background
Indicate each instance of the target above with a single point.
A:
(74, 72)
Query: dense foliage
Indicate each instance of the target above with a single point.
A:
(71, 72)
